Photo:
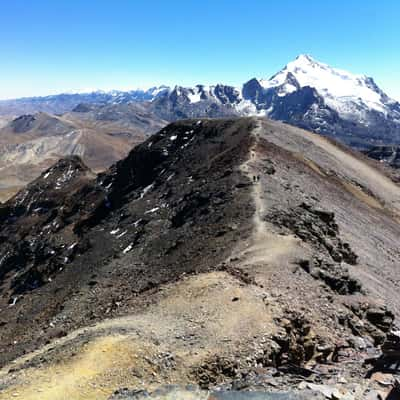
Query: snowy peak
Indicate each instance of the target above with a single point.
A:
(221, 94)
(327, 100)
(343, 91)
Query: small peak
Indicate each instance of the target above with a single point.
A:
(306, 58)
(83, 108)
(70, 161)
(23, 123)
(306, 62)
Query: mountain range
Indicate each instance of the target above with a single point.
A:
(305, 93)
(102, 126)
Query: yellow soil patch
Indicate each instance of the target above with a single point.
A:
(195, 319)
(361, 195)
(7, 193)
(93, 374)
(314, 166)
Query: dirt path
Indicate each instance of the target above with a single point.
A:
(266, 248)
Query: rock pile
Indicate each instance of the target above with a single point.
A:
(318, 227)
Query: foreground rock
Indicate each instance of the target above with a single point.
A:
(181, 393)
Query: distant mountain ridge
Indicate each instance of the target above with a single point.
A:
(305, 93)
(64, 102)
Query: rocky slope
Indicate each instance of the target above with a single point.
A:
(230, 254)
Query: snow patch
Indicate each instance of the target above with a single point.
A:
(152, 210)
(194, 97)
(146, 190)
(128, 248)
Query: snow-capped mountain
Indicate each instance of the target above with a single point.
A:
(201, 101)
(330, 101)
(305, 93)
(344, 92)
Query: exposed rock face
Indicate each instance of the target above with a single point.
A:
(388, 154)
(318, 227)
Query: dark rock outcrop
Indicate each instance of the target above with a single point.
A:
(318, 227)
(22, 123)
(388, 154)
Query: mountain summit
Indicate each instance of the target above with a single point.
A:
(305, 93)
(349, 94)
(330, 101)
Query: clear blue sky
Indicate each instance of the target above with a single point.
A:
(49, 46)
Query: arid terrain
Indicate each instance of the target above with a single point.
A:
(30, 144)
(233, 254)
